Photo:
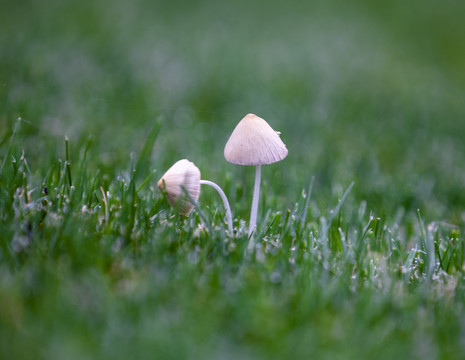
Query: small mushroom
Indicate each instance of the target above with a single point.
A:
(185, 174)
(254, 142)
(182, 173)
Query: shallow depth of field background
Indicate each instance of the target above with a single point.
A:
(371, 93)
(365, 92)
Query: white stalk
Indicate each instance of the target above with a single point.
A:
(256, 196)
(225, 201)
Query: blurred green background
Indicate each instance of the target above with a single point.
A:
(361, 90)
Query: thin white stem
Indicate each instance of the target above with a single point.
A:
(225, 201)
(256, 196)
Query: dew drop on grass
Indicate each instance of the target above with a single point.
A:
(19, 243)
(275, 277)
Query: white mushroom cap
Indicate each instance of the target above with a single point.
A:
(254, 142)
(183, 172)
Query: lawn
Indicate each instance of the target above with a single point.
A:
(359, 248)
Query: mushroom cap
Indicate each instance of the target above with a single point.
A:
(183, 172)
(254, 142)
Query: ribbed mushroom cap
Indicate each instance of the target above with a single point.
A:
(183, 172)
(254, 142)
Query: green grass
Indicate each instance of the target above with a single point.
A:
(359, 251)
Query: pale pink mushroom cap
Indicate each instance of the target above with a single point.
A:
(185, 173)
(254, 142)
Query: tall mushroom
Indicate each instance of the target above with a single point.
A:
(254, 142)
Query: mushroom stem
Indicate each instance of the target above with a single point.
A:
(225, 201)
(256, 196)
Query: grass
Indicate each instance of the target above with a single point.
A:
(360, 247)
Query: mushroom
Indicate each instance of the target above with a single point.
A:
(254, 142)
(182, 173)
(185, 174)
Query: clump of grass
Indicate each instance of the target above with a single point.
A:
(105, 265)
